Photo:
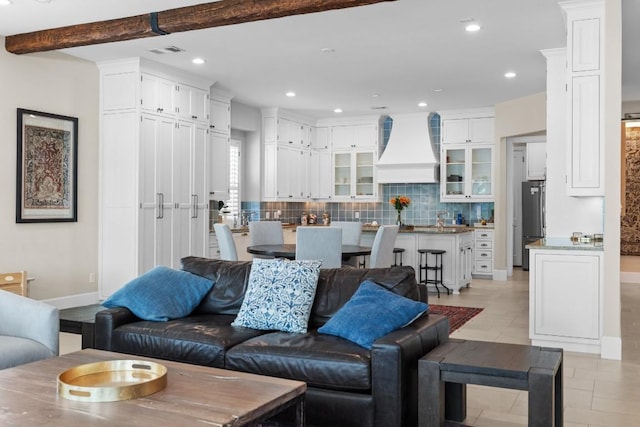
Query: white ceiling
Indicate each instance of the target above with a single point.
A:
(401, 50)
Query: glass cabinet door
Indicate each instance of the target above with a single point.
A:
(342, 174)
(364, 174)
(481, 172)
(455, 164)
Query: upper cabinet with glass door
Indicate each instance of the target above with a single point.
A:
(353, 175)
(467, 173)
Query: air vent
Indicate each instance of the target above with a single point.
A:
(168, 49)
(383, 107)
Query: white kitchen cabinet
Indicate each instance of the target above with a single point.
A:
(157, 94)
(156, 191)
(292, 171)
(354, 175)
(585, 94)
(536, 158)
(219, 166)
(320, 174)
(466, 130)
(191, 214)
(455, 261)
(321, 139)
(565, 299)
(192, 103)
(483, 244)
(354, 136)
(466, 249)
(220, 115)
(153, 204)
(467, 173)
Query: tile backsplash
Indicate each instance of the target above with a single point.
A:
(425, 204)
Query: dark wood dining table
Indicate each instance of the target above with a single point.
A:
(288, 250)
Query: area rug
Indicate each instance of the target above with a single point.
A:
(458, 316)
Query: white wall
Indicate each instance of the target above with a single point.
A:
(249, 120)
(59, 256)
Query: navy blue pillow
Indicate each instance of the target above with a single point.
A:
(161, 294)
(371, 313)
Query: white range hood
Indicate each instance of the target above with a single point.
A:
(409, 156)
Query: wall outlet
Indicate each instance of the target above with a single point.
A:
(267, 215)
(357, 215)
(92, 277)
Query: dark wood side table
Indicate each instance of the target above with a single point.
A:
(81, 320)
(444, 373)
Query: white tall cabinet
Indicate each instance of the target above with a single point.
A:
(154, 153)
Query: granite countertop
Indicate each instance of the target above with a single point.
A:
(562, 243)
(422, 229)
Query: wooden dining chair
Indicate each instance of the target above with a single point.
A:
(14, 282)
(323, 243)
(226, 244)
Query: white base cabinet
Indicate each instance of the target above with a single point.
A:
(565, 299)
(457, 261)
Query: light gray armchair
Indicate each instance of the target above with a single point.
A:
(29, 330)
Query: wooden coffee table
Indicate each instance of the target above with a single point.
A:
(195, 395)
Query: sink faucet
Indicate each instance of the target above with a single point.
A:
(441, 215)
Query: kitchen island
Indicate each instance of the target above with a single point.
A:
(457, 262)
(565, 294)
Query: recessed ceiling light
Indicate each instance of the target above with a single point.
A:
(327, 50)
(337, 110)
(438, 90)
(5, 2)
(375, 95)
(422, 104)
(198, 61)
(472, 28)
(510, 74)
(291, 94)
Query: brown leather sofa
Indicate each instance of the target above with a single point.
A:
(348, 385)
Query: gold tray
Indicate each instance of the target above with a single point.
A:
(113, 380)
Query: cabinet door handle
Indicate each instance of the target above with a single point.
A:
(194, 206)
(160, 110)
(160, 197)
(194, 117)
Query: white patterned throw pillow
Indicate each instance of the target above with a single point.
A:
(279, 295)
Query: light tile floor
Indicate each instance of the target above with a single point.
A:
(597, 392)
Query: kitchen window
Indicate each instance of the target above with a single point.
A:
(234, 177)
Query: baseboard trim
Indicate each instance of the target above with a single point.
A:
(77, 300)
(629, 277)
(611, 348)
(500, 275)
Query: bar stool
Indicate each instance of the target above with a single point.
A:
(397, 252)
(436, 268)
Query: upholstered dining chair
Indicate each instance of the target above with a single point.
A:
(351, 234)
(382, 249)
(265, 233)
(226, 244)
(323, 243)
(29, 330)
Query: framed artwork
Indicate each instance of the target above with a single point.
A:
(47, 168)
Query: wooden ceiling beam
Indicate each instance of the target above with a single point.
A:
(207, 15)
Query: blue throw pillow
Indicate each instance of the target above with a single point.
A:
(371, 313)
(279, 295)
(161, 294)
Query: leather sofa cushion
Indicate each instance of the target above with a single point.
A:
(337, 285)
(230, 280)
(198, 339)
(322, 361)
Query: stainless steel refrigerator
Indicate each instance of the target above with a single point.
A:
(533, 224)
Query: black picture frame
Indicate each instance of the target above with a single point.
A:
(47, 167)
